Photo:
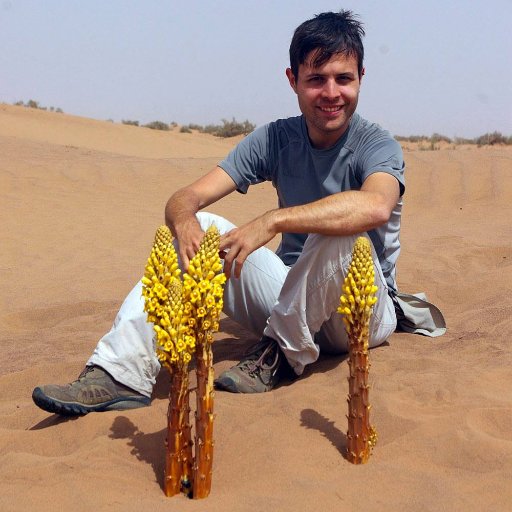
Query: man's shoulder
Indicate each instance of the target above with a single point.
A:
(271, 138)
(366, 133)
(369, 129)
(283, 131)
(365, 128)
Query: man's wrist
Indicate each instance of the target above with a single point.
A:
(276, 219)
(186, 224)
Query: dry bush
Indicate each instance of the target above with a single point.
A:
(157, 125)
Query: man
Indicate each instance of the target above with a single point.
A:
(337, 177)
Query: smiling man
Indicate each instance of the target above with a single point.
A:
(337, 177)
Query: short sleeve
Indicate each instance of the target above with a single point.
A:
(248, 163)
(384, 154)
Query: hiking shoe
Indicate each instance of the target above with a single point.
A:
(94, 391)
(260, 371)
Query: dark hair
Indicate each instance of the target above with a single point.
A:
(328, 33)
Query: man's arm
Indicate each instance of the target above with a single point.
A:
(182, 206)
(344, 213)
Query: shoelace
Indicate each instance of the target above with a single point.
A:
(256, 365)
(85, 371)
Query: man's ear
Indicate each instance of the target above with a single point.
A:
(291, 79)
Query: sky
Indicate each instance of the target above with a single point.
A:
(435, 66)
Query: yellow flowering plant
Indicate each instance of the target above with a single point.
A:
(185, 314)
(356, 306)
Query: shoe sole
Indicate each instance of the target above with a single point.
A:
(76, 409)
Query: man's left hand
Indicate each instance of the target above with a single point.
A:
(237, 244)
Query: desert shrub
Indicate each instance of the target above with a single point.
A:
(233, 128)
(491, 139)
(35, 104)
(157, 125)
(437, 137)
(432, 142)
(130, 122)
(192, 126)
(185, 129)
(411, 138)
(210, 128)
(226, 129)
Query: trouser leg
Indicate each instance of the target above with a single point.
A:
(305, 320)
(127, 351)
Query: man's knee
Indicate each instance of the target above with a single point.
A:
(206, 219)
(339, 244)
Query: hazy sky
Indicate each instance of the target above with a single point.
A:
(432, 66)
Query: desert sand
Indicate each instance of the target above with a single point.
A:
(80, 200)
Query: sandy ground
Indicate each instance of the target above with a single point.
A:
(80, 201)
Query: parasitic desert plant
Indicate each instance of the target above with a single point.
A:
(185, 314)
(356, 305)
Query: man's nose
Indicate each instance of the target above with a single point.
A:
(331, 90)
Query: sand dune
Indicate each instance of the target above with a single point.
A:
(80, 201)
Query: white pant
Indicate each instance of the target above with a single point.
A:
(295, 305)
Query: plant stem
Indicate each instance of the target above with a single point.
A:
(204, 421)
(178, 459)
(359, 429)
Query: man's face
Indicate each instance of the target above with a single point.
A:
(327, 96)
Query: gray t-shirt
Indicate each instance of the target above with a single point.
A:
(281, 152)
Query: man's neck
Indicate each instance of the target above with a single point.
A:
(327, 140)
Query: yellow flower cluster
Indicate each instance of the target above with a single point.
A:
(161, 268)
(182, 311)
(203, 286)
(358, 297)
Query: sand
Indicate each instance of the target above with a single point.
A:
(80, 200)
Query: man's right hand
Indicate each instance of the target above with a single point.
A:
(182, 206)
(189, 235)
